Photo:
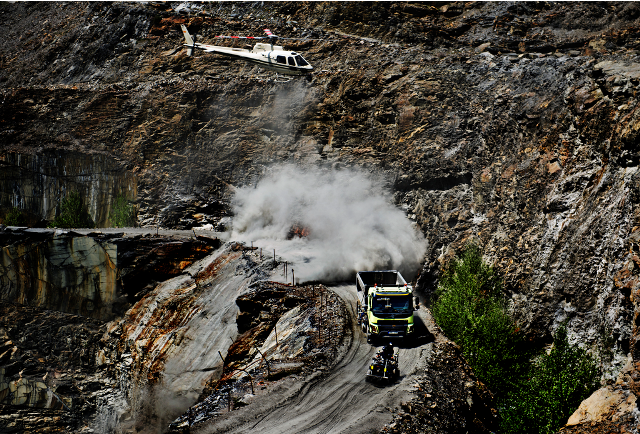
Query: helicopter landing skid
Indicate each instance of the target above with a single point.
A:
(282, 79)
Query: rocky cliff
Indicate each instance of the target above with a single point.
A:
(513, 125)
(96, 275)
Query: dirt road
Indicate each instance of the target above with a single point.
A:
(127, 232)
(336, 401)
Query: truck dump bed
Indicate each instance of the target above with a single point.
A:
(382, 278)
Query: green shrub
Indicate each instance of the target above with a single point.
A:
(532, 397)
(122, 213)
(15, 217)
(558, 382)
(470, 310)
(73, 214)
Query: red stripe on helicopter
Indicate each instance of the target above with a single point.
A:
(267, 31)
(242, 37)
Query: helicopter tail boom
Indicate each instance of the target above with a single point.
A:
(190, 43)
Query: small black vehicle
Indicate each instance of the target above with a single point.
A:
(384, 366)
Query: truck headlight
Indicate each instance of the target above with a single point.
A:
(410, 328)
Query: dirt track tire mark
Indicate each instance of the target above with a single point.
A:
(337, 401)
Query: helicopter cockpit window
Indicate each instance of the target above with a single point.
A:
(301, 61)
(291, 61)
(281, 59)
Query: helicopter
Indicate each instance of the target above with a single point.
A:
(269, 56)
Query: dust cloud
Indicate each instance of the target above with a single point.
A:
(347, 218)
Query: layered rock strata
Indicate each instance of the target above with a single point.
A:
(96, 275)
(512, 125)
(38, 183)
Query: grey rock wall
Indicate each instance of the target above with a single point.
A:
(38, 183)
(63, 272)
(513, 125)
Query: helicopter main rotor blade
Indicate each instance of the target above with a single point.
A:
(243, 37)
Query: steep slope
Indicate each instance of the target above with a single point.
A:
(514, 125)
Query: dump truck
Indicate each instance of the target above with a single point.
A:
(385, 305)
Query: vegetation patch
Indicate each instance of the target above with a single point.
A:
(73, 214)
(122, 213)
(15, 217)
(536, 392)
(555, 386)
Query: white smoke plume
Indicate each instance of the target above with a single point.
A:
(352, 224)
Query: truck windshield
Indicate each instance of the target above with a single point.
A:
(392, 304)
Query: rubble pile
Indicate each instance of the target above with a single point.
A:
(286, 331)
(447, 398)
(48, 370)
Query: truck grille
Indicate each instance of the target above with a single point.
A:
(393, 322)
(397, 330)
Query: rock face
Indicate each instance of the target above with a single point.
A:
(38, 183)
(167, 344)
(48, 371)
(96, 276)
(512, 125)
(64, 272)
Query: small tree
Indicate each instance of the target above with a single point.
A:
(558, 383)
(532, 397)
(122, 213)
(470, 310)
(14, 217)
(73, 214)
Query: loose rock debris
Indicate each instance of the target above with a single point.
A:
(447, 398)
(285, 331)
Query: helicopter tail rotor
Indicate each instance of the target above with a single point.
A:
(191, 44)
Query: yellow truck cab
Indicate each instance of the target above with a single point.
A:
(385, 304)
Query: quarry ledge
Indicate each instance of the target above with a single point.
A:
(96, 273)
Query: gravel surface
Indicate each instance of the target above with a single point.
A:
(338, 401)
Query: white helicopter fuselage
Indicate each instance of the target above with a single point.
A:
(268, 56)
(271, 57)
